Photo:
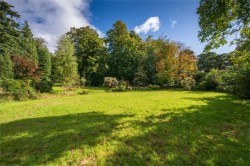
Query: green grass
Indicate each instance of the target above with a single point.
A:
(126, 128)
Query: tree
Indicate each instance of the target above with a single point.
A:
(211, 60)
(9, 41)
(9, 29)
(6, 67)
(24, 68)
(44, 57)
(186, 65)
(221, 18)
(166, 65)
(66, 68)
(124, 49)
(28, 43)
(90, 52)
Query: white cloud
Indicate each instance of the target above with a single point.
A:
(51, 18)
(151, 24)
(173, 23)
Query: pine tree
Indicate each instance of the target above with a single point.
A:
(9, 29)
(28, 43)
(44, 57)
(6, 67)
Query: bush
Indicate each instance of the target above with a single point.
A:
(110, 82)
(45, 85)
(188, 83)
(120, 88)
(236, 80)
(141, 78)
(154, 87)
(211, 80)
(18, 89)
(85, 91)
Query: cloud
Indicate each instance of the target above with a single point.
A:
(51, 18)
(173, 23)
(151, 24)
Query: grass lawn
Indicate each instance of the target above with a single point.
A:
(126, 128)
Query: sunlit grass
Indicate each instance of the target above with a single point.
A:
(126, 128)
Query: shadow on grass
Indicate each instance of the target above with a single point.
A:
(38, 141)
(216, 133)
(213, 134)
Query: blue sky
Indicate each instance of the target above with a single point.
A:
(175, 19)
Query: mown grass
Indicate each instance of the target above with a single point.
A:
(126, 128)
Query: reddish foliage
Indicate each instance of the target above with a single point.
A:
(25, 68)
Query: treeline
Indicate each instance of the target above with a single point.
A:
(83, 58)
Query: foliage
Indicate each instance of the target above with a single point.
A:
(154, 87)
(211, 60)
(186, 64)
(188, 83)
(66, 65)
(211, 81)
(110, 82)
(9, 29)
(85, 91)
(19, 89)
(25, 68)
(219, 19)
(89, 50)
(44, 85)
(28, 44)
(124, 49)
(44, 58)
(141, 78)
(6, 66)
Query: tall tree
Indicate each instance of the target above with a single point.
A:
(124, 49)
(89, 50)
(66, 65)
(211, 60)
(44, 57)
(28, 43)
(221, 18)
(6, 66)
(186, 64)
(9, 38)
(166, 61)
(9, 29)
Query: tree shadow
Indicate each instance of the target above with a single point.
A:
(217, 133)
(38, 141)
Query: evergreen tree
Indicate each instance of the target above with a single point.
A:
(44, 57)
(6, 66)
(28, 43)
(9, 29)
(66, 65)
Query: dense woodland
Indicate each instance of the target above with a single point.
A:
(122, 60)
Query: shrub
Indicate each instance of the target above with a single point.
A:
(188, 83)
(236, 80)
(85, 91)
(211, 80)
(18, 89)
(141, 78)
(110, 82)
(120, 88)
(45, 85)
(198, 77)
(154, 87)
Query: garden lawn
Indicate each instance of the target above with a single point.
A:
(126, 128)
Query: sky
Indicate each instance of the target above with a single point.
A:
(175, 19)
